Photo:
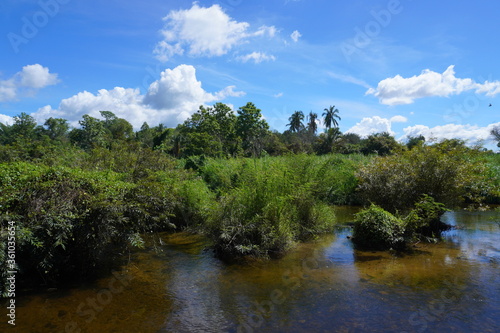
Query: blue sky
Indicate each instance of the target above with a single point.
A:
(407, 67)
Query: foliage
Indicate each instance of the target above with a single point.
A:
(377, 229)
(424, 220)
(295, 121)
(495, 133)
(382, 144)
(264, 209)
(330, 117)
(251, 128)
(81, 197)
(447, 172)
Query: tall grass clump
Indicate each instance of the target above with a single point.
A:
(268, 209)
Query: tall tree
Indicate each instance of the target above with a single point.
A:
(330, 117)
(495, 132)
(24, 126)
(295, 120)
(251, 128)
(91, 134)
(118, 128)
(57, 128)
(312, 126)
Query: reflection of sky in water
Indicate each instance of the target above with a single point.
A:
(325, 285)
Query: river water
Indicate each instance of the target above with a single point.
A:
(321, 286)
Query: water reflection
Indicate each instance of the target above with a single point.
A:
(321, 286)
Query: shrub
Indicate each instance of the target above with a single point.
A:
(425, 219)
(447, 173)
(377, 229)
(74, 222)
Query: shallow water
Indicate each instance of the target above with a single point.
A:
(320, 286)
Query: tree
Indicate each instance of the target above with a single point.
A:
(23, 127)
(91, 134)
(57, 128)
(414, 141)
(145, 135)
(210, 131)
(380, 143)
(118, 128)
(327, 140)
(295, 120)
(330, 117)
(251, 128)
(312, 126)
(495, 132)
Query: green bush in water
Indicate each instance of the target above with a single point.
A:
(377, 229)
(425, 219)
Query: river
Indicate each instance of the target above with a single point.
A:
(324, 285)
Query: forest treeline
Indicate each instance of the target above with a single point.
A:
(215, 131)
(81, 197)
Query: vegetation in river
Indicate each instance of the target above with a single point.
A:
(80, 197)
(378, 229)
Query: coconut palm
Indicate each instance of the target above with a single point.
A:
(312, 125)
(296, 121)
(329, 117)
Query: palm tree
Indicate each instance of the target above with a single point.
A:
(329, 117)
(296, 121)
(312, 126)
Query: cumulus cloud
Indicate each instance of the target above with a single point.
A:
(470, 133)
(6, 120)
(399, 90)
(26, 82)
(375, 124)
(203, 31)
(295, 36)
(256, 57)
(171, 99)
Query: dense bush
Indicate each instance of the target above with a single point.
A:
(71, 221)
(448, 173)
(425, 219)
(375, 228)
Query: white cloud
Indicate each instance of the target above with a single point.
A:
(6, 120)
(375, 124)
(265, 30)
(26, 82)
(278, 95)
(37, 77)
(295, 36)
(349, 79)
(398, 119)
(204, 31)
(470, 133)
(256, 57)
(169, 100)
(399, 90)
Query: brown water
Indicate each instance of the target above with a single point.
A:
(321, 286)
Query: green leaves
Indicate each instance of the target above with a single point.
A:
(448, 173)
(377, 229)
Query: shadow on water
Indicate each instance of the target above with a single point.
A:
(320, 286)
